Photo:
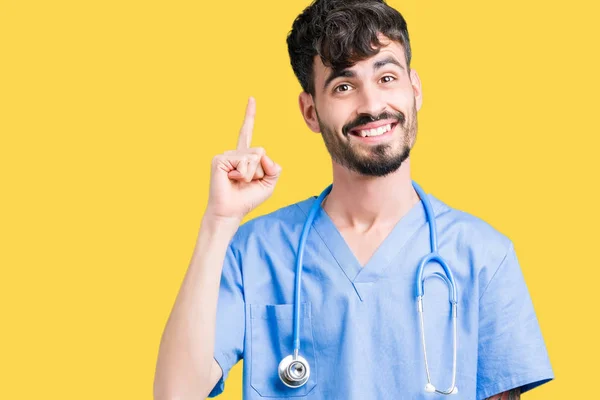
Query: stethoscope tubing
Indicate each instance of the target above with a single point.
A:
(300, 255)
(433, 256)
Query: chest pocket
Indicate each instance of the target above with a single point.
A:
(272, 332)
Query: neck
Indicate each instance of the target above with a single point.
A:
(361, 202)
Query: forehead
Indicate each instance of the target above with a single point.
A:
(388, 48)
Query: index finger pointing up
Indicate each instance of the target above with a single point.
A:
(246, 132)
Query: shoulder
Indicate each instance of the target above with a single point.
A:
(467, 224)
(284, 223)
(471, 234)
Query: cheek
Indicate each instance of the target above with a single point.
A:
(401, 100)
(335, 115)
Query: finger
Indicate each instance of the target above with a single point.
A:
(246, 132)
(253, 163)
(231, 165)
(260, 172)
(241, 165)
(259, 151)
(270, 167)
(235, 175)
(245, 167)
(252, 150)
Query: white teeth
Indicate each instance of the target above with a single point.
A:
(376, 132)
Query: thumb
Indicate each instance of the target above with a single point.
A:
(271, 168)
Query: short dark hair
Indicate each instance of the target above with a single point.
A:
(342, 32)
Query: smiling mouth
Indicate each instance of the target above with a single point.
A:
(373, 132)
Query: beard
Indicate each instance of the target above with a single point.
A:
(380, 159)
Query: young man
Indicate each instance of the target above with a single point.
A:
(360, 335)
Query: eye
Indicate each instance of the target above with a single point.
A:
(388, 78)
(344, 87)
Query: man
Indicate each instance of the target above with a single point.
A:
(359, 329)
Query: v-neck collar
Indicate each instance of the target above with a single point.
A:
(383, 256)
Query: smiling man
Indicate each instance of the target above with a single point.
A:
(350, 325)
(361, 107)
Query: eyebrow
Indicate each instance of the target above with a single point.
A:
(346, 73)
(387, 60)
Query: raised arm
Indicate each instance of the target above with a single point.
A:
(241, 179)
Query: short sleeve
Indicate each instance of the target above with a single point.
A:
(230, 321)
(512, 352)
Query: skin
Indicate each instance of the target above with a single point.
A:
(513, 394)
(360, 204)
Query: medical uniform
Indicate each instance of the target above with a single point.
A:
(360, 326)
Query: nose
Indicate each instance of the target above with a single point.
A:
(370, 101)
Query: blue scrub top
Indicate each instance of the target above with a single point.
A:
(360, 326)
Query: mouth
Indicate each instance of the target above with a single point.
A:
(382, 130)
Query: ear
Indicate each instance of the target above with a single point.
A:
(307, 108)
(416, 85)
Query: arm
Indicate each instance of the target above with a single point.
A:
(185, 366)
(240, 180)
(513, 394)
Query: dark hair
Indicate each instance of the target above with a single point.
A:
(342, 32)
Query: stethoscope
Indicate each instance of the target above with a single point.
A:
(294, 370)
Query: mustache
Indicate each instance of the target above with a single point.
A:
(366, 118)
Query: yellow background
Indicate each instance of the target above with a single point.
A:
(110, 112)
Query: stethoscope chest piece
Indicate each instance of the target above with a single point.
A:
(294, 372)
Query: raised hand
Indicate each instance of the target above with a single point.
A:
(241, 179)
